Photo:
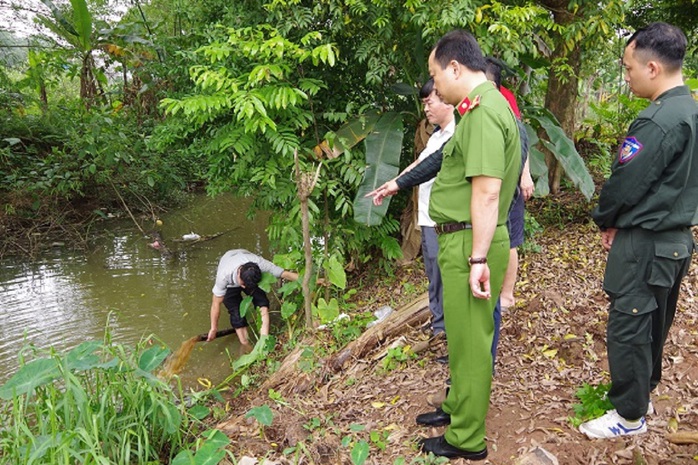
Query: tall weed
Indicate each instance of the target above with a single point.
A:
(99, 403)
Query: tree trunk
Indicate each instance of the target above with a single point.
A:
(561, 97)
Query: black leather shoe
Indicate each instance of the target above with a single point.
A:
(436, 418)
(443, 359)
(439, 446)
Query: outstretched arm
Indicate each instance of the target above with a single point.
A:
(215, 313)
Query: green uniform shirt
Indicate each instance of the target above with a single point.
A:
(485, 143)
(654, 179)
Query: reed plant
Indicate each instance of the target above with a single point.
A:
(99, 403)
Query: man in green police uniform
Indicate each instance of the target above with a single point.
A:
(469, 202)
(645, 212)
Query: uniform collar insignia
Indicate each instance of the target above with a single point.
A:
(466, 105)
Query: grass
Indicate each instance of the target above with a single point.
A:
(99, 403)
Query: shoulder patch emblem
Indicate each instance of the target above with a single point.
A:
(631, 147)
(466, 105)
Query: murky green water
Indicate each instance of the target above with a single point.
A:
(64, 298)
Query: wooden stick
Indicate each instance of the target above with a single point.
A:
(221, 333)
(683, 437)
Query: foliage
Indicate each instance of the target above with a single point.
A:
(383, 147)
(397, 357)
(98, 403)
(594, 403)
(562, 147)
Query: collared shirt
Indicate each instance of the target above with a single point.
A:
(231, 261)
(654, 179)
(485, 143)
(434, 143)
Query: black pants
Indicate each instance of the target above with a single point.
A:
(643, 278)
(233, 299)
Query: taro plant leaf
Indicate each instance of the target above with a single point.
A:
(335, 272)
(211, 452)
(327, 311)
(83, 356)
(263, 346)
(383, 147)
(32, 375)
(359, 453)
(245, 306)
(267, 280)
(348, 135)
(262, 414)
(562, 147)
(288, 309)
(152, 358)
(199, 412)
(169, 417)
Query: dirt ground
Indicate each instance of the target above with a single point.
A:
(552, 342)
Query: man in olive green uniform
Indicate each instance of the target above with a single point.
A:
(645, 212)
(469, 202)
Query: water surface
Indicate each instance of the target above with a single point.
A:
(64, 298)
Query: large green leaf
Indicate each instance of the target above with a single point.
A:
(349, 135)
(152, 358)
(335, 272)
(83, 23)
(539, 171)
(32, 375)
(211, 452)
(383, 147)
(83, 357)
(562, 147)
(262, 414)
(264, 345)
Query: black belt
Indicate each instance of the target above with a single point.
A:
(448, 228)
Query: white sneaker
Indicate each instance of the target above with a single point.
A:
(650, 409)
(612, 425)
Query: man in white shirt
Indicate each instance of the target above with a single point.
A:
(238, 271)
(439, 114)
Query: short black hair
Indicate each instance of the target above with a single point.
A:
(663, 42)
(251, 275)
(461, 46)
(494, 71)
(427, 89)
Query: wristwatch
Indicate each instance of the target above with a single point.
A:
(477, 261)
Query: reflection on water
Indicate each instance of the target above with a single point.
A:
(65, 298)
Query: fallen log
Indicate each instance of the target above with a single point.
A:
(683, 437)
(414, 314)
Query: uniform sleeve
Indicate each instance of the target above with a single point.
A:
(485, 147)
(639, 164)
(424, 171)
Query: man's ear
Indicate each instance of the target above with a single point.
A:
(456, 67)
(655, 68)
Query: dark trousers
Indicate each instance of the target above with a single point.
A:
(643, 278)
(233, 299)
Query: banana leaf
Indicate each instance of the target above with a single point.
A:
(562, 147)
(383, 147)
(536, 160)
(348, 135)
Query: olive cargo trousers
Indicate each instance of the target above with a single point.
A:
(643, 277)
